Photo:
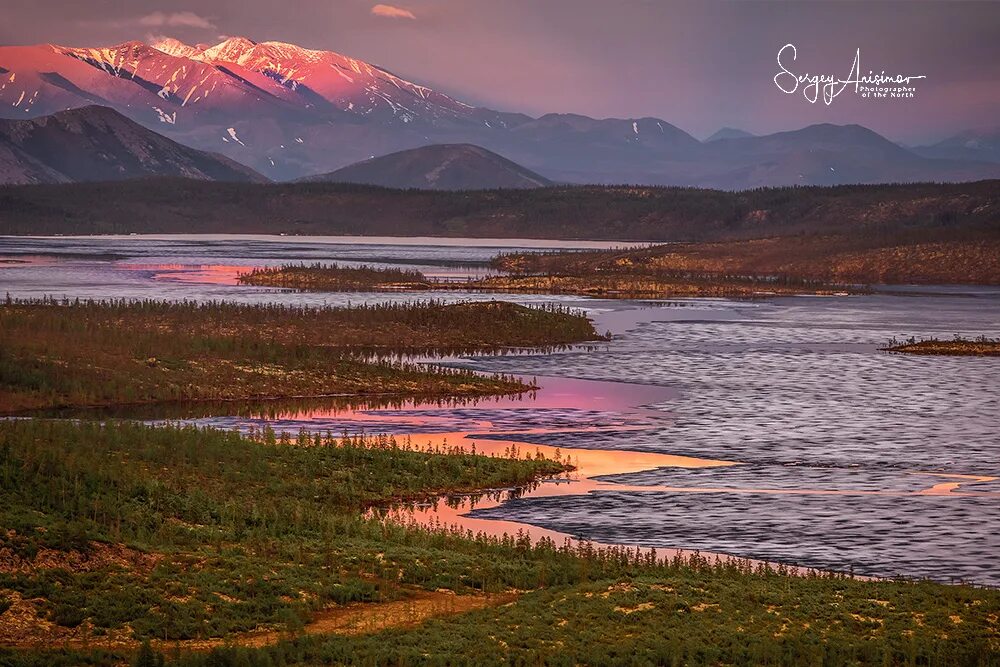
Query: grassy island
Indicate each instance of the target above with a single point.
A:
(79, 353)
(622, 281)
(956, 347)
(335, 278)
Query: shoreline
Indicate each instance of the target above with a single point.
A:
(264, 400)
(456, 511)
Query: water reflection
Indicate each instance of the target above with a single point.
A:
(211, 274)
(843, 455)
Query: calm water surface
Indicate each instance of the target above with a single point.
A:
(772, 429)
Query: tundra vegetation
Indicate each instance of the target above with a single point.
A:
(335, 278)
(86, 353)
(805, 263)
(623, 282)
(129, 543)
(120, 532)
(980, 346)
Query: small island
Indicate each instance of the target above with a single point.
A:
(621, 282)
(956, 347)
(336, 278)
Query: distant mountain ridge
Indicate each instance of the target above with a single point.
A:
(99, 144)
(729, 133)
(438, 167)
(288, 112)
(981, 145)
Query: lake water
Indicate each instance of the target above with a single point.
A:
(771, 429)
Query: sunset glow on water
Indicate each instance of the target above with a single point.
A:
(694, 428)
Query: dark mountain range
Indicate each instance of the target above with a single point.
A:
(289, 112)
(823, 155)
(99, 144)
(438, 167)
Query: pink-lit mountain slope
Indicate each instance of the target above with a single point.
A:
(289, 112)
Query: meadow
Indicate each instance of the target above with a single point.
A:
(86, 353)
(120, 532)
(119, 529)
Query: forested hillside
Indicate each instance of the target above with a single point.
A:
(582, 212)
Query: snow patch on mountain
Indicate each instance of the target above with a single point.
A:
(168, 118)
(174, 47)
(232, 135)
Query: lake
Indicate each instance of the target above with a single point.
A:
(771, 429)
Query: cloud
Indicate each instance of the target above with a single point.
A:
(152, 21)
(175, 20)
(391, 12)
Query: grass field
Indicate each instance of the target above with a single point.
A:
(124, 530)
(121, 532)
(59, 354)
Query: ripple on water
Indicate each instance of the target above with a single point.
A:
(792, 388)
(797, 391)
(918, 536)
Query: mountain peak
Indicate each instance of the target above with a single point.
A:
(237, 40)
(129, 44)
(175, 47)
(230, 50)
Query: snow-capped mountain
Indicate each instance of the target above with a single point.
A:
(288, 112)
(187, 77)
(284, 109)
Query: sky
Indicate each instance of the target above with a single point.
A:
(700, 65)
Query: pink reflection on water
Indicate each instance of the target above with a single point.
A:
(601, 406)
(588, 463)
(213, 274)
(554, 393)
(20, 261)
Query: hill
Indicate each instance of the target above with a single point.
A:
(438, 167)
(95, 143)
(566, 212)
